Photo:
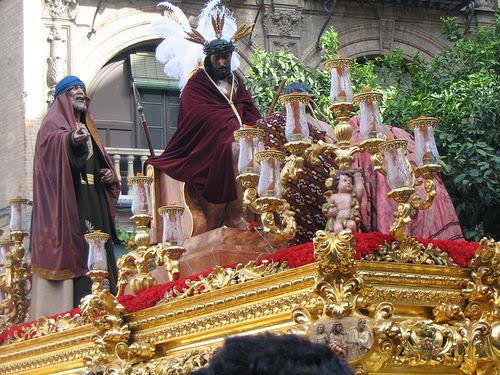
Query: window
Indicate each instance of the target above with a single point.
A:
(114, 105)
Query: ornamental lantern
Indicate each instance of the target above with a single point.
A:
(173, 234)
(426, 151)
(141, 194)
(399, 173)
(97, 260)
(340, 73)
(296, 128)
(270, 173)
(370, 123)
(250, 142)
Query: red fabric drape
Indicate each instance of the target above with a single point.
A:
(200, 152)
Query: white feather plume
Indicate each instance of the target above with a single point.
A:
(181, 56)
(205, 21)
(179, 14)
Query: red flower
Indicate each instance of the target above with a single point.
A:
(492, 176)
(253, 226)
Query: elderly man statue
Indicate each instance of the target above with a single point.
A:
(213, 104)
(75, 189)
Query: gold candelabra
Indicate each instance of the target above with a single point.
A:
(386, 156)
(260, 177)
(401, 177)
(16, 276)
(135, 266)
(171, 249)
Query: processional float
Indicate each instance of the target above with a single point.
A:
(410, 309)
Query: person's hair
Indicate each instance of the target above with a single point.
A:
(297, 87)
(336, 180)
(270, 354)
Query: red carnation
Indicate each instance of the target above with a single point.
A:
(253, 226)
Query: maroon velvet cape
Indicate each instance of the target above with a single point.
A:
(58, 245)
(200, 151)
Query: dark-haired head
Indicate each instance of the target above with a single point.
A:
(336, 180)
(297, 87)
(269, 354)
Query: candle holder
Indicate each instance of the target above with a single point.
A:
(426, 152)
(296, 133)
(137, 263)
(97, 263)
(372, 131)
(401, 180)
(171, 249)
(268, 201)
(340, 74)
(17, 277)
(250, 142)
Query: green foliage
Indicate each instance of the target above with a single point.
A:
(268, 70)
(126, 237)
(461, 87)
(329, 41)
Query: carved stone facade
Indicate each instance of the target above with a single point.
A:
(73, 37)
(283, 28)
(65, 9)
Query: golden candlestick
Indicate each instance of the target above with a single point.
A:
(170, 251)
(248, 175)
(17, 278)
(137, 263)
(404, 193)
(16, 281)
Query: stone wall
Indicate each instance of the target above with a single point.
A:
(13, 141)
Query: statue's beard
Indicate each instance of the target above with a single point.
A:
(79, 106)
(221, 73)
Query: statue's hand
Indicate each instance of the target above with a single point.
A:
(106, 175)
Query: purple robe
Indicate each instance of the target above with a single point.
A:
(59, 248)
(200, 152)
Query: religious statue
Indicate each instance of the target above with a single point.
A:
(342, 208)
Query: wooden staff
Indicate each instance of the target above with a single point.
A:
(275, 99)
(143, 121)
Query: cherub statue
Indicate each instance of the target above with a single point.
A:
(342, 207)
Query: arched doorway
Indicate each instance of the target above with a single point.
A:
(130, 77)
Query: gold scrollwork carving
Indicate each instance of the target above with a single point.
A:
(483, 310)
(221, 277)
(112, 338)
(178, 365)
(336, 283)
(410, 250)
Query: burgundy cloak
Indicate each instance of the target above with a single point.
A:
(200, 151)
(58, 245)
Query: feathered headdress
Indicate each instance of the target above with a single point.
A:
(184, 48)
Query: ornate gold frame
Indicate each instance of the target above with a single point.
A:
(423, 317)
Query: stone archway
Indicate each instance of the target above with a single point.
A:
(384, 36)
(126, 28)
(375, 38)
